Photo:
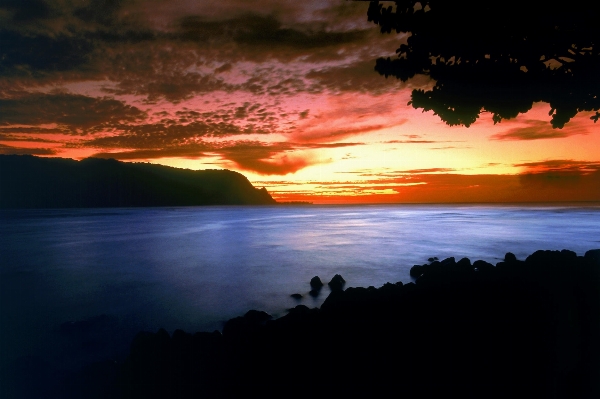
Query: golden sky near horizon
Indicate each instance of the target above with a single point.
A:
(284, 92)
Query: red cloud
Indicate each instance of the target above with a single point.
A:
(536, 130)
(560, 165)
(8, 150)
(72, 111)
(347, 115)
(453, 188)
(266, 159)
(282, 166)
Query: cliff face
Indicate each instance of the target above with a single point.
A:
(31, 182)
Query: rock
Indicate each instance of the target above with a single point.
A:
(510, 257)
(448, 262)
(416, 271)
(296, 296)
(298, 312)
(314, 292)
(566, 254)
(542, 257)
(300, 309)
(257, 316)
(432, 268)
(242, 327)
(464, 265)
(181, 341)
(432, 259)
(316, 283)
(337, 283)
(338, 298)
(593, 255)
(498, 327)
(483, 266)
(464, 262)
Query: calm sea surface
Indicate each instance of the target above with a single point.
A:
(194, 268)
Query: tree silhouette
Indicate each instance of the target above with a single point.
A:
(496, 56)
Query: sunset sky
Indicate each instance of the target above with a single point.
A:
(281, 91)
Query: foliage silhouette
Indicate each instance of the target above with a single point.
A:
(495, 56)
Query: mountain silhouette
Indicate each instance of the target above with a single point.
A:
(32, 182)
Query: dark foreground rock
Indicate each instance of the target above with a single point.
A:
(337, 283)
(316, 283)
(467, 330)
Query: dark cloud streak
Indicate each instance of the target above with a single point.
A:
(113, 41)
(262, 158)
(72, 111)
(559, 165)
(537, 130)
(358, 76)
(8, 150)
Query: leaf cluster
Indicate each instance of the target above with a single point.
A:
(496, 56)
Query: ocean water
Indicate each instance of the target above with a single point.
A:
(194, 268)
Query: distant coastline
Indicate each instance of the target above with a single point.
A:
(28, 182)
(454, 204)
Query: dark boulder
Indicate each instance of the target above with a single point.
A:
(546, 258)
(593, 256)
(417, 270)
(432, 268)
(316, 283)
(300, 313)
(489, 333)
(300, 309)
(483, 266)
(339, 299)
(337, 283)
(251, 322)
(567, 254)
(296, 296)
(257, 316)
(448, 262)
(510, 264)
(464, 265)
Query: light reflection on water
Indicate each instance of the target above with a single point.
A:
(193, 268)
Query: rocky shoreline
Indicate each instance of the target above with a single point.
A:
(471, 330)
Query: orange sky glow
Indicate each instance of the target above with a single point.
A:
(281, 91)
